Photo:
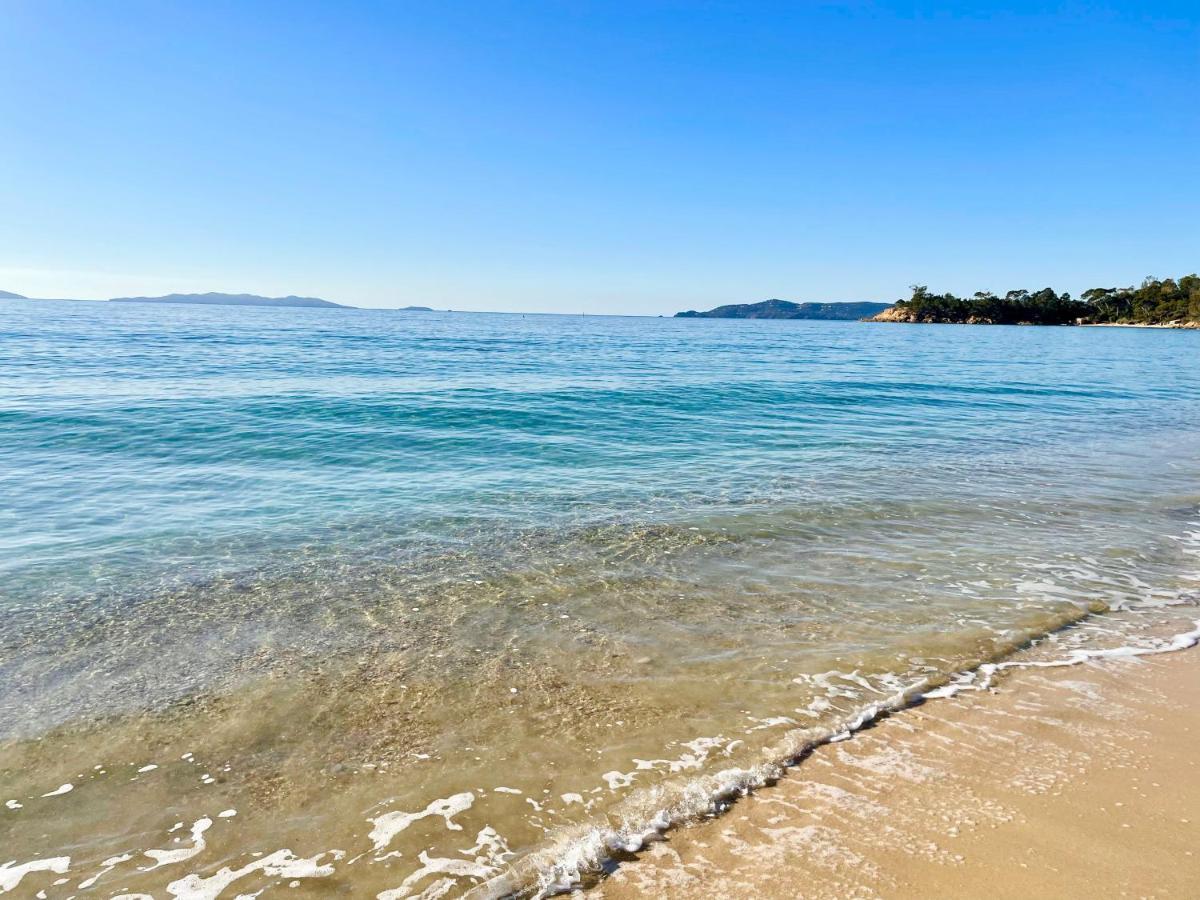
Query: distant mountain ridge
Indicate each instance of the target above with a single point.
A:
(210, 299)
(786, 309)
(216, 299)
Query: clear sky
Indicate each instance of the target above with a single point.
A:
(599, 157)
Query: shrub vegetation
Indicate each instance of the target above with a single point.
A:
(1154, 302)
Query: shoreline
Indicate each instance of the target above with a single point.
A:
(1064, 781)
(1177, 326)
(1169, 326)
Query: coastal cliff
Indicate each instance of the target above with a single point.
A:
(893, 314)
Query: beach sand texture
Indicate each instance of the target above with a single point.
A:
(1076, 782)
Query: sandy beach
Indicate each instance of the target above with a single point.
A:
(1185, 325)
(1073, 782)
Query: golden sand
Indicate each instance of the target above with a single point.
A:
(1078, 782)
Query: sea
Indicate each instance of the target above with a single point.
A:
(371, 603)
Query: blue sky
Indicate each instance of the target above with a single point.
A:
(599, 157)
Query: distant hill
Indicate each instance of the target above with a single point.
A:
(785, 309)
(233, 300)
(415, 309)
(8, 295)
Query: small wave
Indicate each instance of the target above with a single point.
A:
(581, 854)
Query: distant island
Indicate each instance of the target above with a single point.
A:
(9, 295)
(1166, 303)
(416, 309)
(213, 299)
(786, 309)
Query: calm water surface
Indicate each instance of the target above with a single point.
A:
(417, 605)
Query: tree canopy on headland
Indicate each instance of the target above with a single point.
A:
(1154, 302)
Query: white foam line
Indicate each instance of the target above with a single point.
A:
(391, 824)
(1184, 641)
(980, 679)
(105, 867)
(436, 866)
(11, 872)
(563, 865)
(170, 857)
(280, 864)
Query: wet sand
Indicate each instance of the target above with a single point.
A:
(1184, 325)
(1074, 782)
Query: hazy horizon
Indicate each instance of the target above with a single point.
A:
(626, 159)
(336, 305)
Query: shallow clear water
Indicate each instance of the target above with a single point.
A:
(350, 573)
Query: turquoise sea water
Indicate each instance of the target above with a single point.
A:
(333, 568)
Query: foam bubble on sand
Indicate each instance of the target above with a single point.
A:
(506, 790)
(391, 824)
(490, 845)
(700, 748)
(169, 857)
(12, 872)
(105, 867)
(979, 679)
(458, 868)
(616, 780)
(150, 768)
(60, 790)
(12, 804)
(824, 680)
(280, 864)
(816, 706)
